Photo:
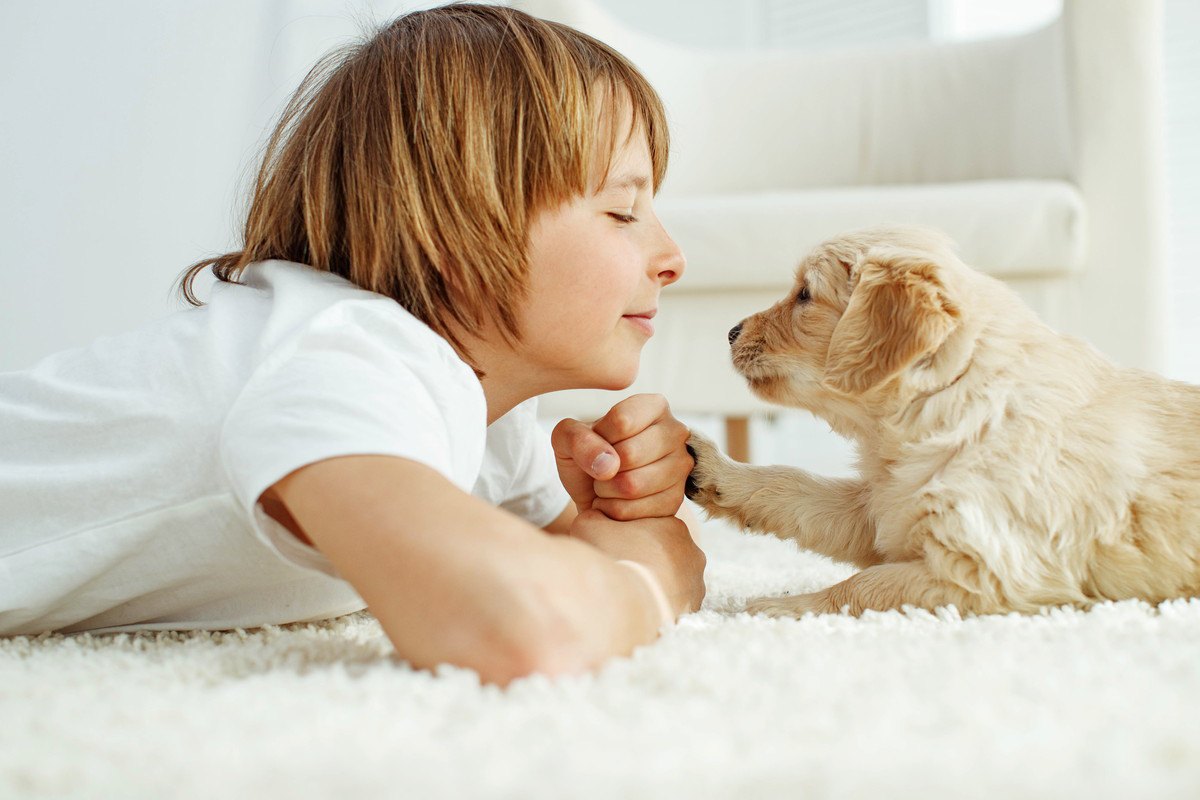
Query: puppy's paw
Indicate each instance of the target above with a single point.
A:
(704, 484)
(796, 605)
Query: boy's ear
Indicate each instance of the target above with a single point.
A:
(898, 313)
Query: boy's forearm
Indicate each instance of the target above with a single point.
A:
(454, 580)
(569, 610)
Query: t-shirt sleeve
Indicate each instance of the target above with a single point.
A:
(352, 382)
(519, 473)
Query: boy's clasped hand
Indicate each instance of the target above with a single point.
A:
(630, 464)
(626, 474)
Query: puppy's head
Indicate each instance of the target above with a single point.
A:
(869, 310)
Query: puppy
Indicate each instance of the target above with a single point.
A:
(1003, 466)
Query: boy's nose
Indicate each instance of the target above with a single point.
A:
(671, 262)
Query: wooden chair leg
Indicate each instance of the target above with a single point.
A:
(737, 438)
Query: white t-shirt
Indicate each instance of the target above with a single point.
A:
(130, 470)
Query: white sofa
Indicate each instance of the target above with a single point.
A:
(1040, 153)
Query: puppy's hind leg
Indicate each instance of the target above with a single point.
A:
(880, 588)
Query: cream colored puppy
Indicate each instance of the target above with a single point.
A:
(1003, 466)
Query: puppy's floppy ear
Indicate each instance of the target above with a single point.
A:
(898, 312)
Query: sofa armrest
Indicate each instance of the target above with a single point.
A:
(1114, 53)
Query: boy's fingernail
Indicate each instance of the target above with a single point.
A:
(603, 463)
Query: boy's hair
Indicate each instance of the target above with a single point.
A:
(413, 163)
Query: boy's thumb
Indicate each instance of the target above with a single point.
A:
(574, 441)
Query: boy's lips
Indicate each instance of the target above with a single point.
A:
(641, 320)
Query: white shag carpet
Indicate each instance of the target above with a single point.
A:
(1067, 704)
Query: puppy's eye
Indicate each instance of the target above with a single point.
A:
(804, 296)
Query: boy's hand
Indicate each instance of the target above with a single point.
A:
(662, 544)
(631, 463)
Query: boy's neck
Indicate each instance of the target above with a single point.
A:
(502, 375)
(500, 395)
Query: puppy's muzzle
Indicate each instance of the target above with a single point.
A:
(735, 332)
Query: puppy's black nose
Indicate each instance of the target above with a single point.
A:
(735, 332)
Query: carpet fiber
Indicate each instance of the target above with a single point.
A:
(1065, 704)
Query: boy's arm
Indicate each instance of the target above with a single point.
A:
(454, 580)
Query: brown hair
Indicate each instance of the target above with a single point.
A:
(413, 163)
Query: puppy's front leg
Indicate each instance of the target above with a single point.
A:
(824, 515)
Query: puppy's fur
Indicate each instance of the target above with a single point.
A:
(1003, 466)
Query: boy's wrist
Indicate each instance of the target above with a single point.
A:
(662, 606)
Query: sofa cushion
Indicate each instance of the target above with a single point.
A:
(1009, 229)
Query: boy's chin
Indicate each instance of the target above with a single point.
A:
(614, 380)
(612, 375)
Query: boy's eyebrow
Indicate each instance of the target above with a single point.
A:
(627, 181)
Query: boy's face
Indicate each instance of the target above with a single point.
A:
(596, 266)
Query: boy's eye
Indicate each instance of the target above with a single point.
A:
(623, 218)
